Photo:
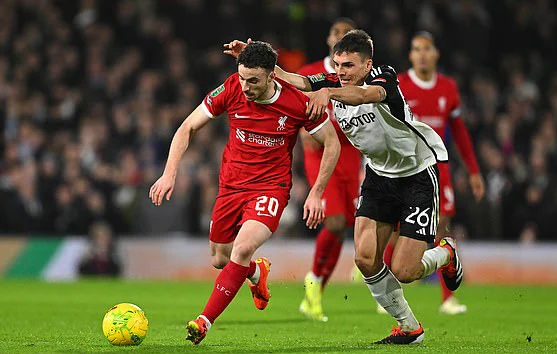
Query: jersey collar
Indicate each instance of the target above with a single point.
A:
(426, 85)
(273, 98)
(327, 65)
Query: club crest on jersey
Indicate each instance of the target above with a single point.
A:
(442, 103)
(339, 104)
(282, 123)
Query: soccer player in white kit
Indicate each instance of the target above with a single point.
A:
(401, 183)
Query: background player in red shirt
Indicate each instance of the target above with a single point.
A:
(265, 114)
(341, 193)
(434, 100)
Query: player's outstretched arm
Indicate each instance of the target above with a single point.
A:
(466, 149)
(300, 82)
(349, 95)
(313, 207)
(356, 95)
(383, 78)
(164, 186)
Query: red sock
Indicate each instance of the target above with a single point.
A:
(251, 270)
(332, 260)
(388, 253)
(228, 282)
(323, 245)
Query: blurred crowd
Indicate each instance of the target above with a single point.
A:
(91, 92)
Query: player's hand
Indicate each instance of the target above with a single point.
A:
(235, 47)
(314, 213)
(477, 185)
(318, 102)
(161, 189)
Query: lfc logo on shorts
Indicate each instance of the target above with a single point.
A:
(282, 123)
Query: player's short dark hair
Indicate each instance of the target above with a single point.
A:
(355, 41)
(258, 54)
(346, 20)
(426, 35)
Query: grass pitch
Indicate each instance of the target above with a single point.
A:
(40, 317)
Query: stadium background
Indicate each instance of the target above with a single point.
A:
(91, 93)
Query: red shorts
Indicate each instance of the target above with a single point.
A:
(342, 191)
(446, 190)
(232, 208)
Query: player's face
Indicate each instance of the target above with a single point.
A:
(255, 82)
(351, 68)
(423, 55)
(337, 31)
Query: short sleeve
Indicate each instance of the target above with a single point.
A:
(321, 80)
(394, 97)
(388, 81)
(215, 103)
(312, 126)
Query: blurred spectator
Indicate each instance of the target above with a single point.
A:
(101, 258)
(92, 91)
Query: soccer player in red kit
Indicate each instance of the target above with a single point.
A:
(434, 100)
(265, 114)
(341, 194)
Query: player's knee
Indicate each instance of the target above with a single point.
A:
(403, 273)
(219, 261)
(242, 252)
(366, 264)
(336, 224)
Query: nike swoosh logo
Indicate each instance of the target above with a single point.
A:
(241, 117)
(263, 214)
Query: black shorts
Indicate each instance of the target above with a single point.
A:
(413, 200)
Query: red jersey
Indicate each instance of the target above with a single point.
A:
(437, 103)
(324, 66)
(320, 66)
(258, 154)
(434, 102)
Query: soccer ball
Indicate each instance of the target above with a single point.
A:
(125, 324)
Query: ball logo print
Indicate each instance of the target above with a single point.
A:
(125, 324)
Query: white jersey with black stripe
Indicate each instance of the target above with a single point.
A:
(393, 146)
